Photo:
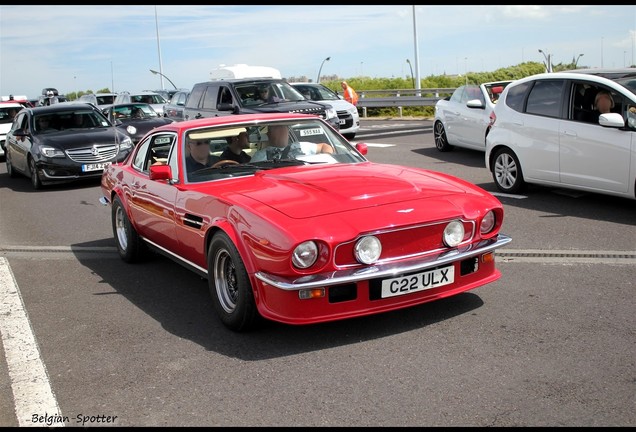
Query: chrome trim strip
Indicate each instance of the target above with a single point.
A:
(382, 270)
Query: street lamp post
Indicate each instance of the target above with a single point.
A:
(548, 61)
(576, 62)
(411, 67)
(159, 73)
(320, 70)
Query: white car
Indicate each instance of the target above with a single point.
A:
(8, 111)
(544, 131)
(462, 119)
(347, 113)
(152, 98)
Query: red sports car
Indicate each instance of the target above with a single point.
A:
(305, 229)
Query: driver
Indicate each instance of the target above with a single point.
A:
(199, 156)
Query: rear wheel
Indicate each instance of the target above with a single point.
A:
(506, 171)
(441, 142)
(129, 244)
(230, 285)
(35, 178)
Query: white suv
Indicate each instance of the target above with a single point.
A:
(348, 116)
(545, 131)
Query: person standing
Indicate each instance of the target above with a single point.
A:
(349, 93)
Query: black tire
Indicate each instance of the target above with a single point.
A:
(441, 141)
(129, 245)
(35, 178)
(10, 170)
(230, 285)
(506, 171)
(349, 136)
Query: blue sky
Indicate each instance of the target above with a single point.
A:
(92, 47)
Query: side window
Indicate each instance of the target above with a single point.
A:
(545, 98)
(195, 96)
(209, 98)
(141, 157)
(517, 96)
(160, 146)
(457, 95)
(225, 96)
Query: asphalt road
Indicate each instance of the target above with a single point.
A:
(552, 343)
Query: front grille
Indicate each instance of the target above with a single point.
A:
(400, 243)
(347, 117)
(315, 111)
(93, 154)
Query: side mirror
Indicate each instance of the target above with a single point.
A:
(160, 172)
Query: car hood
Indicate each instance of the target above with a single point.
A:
(340, 188)
(70, 139)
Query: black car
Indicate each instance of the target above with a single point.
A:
(245, 96)
(62, 143)
(136, 119)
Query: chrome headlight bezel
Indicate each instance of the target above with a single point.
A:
(305, 254)
(488, 222)
(454, 233)
(368, 249)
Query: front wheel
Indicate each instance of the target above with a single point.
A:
(129, 244)
(35, 178)
(230, 285)
(506, 171)
(441, 141)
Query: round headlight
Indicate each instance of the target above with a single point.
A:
(131, 130)
(487, 223)
(453, 233)
(368, 249)
(305, 254)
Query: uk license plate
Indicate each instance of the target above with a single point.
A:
(418, 282)
(341, 122)
(95, 166)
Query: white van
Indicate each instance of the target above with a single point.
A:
(244, 71)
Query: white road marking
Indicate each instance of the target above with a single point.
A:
(29, 380)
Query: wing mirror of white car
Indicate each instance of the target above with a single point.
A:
(611, 120)
(474, 103)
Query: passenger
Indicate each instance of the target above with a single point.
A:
(43, 124)
(12, 113)
(137, 113)
(234, 150)
(199, 156)
(263, 94)
(279, 147)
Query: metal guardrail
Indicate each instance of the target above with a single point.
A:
(401, 98)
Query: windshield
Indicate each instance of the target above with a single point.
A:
(317, 92)
(259, 93)
(242, 149)
(7, 114)
(72, 119)
(133, 111)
